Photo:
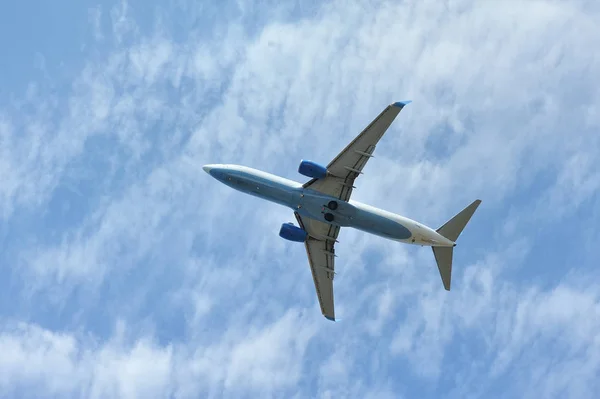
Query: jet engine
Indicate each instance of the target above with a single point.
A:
(312, 169)
(292, 233)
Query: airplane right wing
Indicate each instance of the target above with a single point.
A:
(321, 258)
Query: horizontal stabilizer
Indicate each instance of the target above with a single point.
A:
(443, 258)
(453, 227)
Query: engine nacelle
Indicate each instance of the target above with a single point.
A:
(312, 169)
(292, 233)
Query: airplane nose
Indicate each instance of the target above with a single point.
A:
(207, 168)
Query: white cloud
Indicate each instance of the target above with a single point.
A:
(60, 363)
(135, 366)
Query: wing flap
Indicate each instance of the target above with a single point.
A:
(321, 265)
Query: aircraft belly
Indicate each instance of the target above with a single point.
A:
(314, 205)
(275, 194)
(269, 191)
(379, 225)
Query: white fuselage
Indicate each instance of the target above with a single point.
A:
(312, 204)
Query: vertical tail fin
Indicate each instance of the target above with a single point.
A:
(451, 230)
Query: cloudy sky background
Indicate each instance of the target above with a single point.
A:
(126, 271)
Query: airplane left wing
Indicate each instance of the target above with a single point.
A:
(346, 167)
(320, 251)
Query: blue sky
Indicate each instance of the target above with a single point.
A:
(126, 271)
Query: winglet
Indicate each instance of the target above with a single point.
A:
(401, 104)
(329, 318)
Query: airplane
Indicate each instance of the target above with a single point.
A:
(322, 206)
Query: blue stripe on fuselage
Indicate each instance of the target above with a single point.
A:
(311, 203)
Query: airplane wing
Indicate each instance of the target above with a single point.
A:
(346, 167)
(320, 251)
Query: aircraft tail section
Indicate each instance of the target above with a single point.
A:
(451, 230)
